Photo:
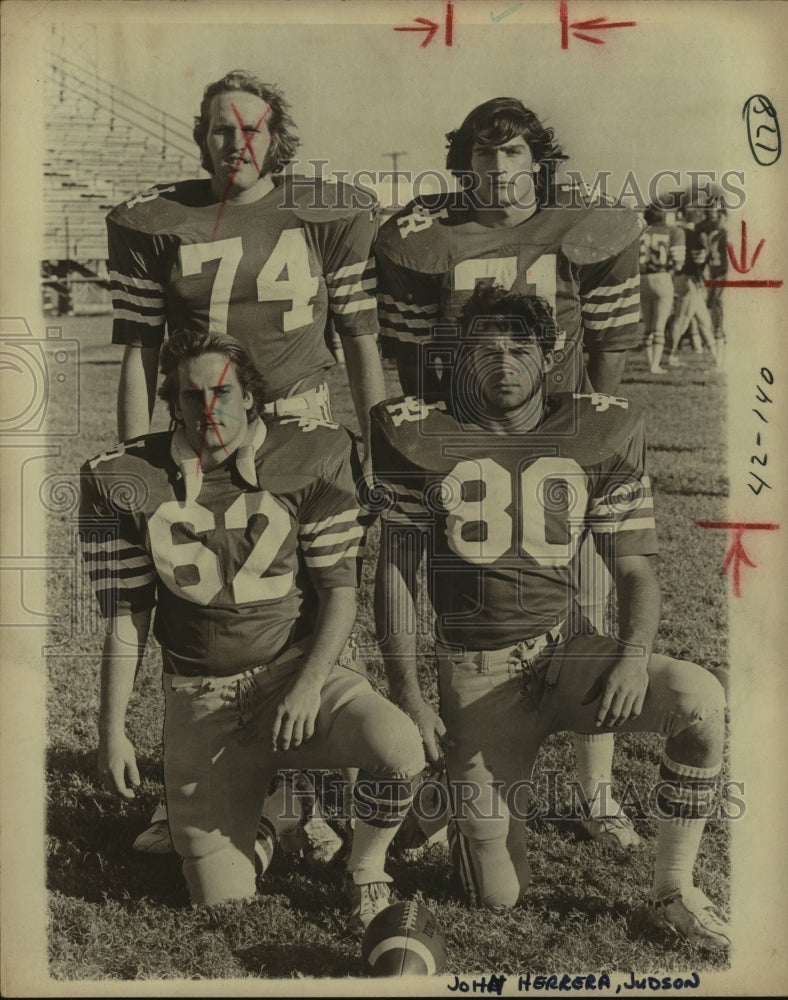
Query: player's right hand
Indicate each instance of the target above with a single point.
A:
(429, 724)
(117, 765)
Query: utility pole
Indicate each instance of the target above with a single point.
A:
(394, 157)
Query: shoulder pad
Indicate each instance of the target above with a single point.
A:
(161, 204)
(413, 433)
(603, 423)
(146, 449)
(417, 237)
(599, 229)
(317, 200)
(307, 424)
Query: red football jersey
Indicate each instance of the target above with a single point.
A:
(269, 273)
(583, 258)
(505, 516)
(229, 557)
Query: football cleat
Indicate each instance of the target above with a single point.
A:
(367, 898)
(155, 840)
(322, 844)
(692, 916)
(412, 841)
(264, 846)
(611, 831)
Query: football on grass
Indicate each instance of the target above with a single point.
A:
(403, 940)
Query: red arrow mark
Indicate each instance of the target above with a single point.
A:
(741, 265)
(750, 283)
(736, 554)
(593, 24)
(431, 27)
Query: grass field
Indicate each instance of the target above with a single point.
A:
(119, 915)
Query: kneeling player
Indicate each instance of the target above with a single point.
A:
(501, 483)
(246, 536)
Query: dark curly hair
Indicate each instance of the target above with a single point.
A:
(185, 344)
(280, 125)
(530, 317)
(497, 122)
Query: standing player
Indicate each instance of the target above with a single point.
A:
(245, 535)
(500, 485)
(271, 260)
(267, 258)
(662, 253)
(512, 226)
(691, 311)
(713, 228)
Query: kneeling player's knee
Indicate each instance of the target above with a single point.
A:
(222, 875)
(403, 753)
(699, 718)
(491, 872)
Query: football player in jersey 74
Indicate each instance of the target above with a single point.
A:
(263, 255)
(500, 483)
(246, 537)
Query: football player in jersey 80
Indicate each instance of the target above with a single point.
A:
(500, 484)
(246, 535)
(512, 225)
(268, 258)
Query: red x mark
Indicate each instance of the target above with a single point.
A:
(248, 138)
(209, 421)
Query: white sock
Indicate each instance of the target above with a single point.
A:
(594, 753)
(677, 848)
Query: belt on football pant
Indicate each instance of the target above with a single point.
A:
(520, 655)
(293, 405)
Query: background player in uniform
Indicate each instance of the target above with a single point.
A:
(713, 228)
(246, 536)
(513, 226)
(500, 486)
(691, 311)
(266, 258)
(662, 253)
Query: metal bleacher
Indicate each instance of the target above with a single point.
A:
(103, 144)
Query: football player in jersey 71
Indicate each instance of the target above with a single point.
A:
(500, 484)
(246, 536)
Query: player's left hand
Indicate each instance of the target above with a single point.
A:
(295, 715)
(623, 692)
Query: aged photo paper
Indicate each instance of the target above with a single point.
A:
(647, 97)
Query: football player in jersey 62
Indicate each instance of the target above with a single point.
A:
(499, 485)
(246, 536)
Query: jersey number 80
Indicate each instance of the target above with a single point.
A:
(549, 498)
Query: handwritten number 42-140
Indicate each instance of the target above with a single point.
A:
(761, 397)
